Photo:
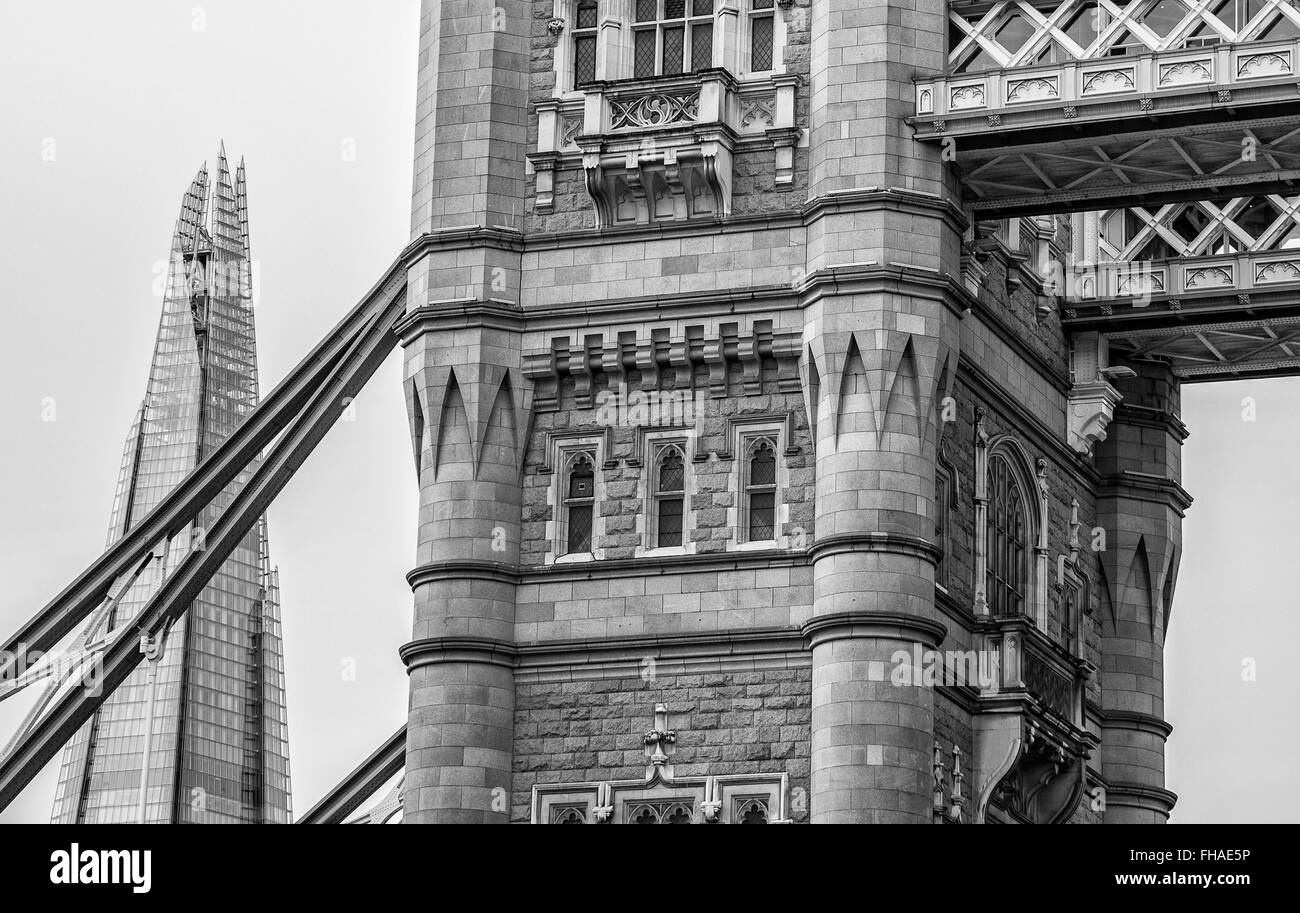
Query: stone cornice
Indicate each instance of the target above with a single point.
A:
(1142, 487)
(1151, 417)
(848, 201)
(897, 199)
(478, 650)
(1141, 722)
(890, 543)
(459, 315)
(462, 570)
(1136, 795)
(750, 643)
(653, 566)
(606, 569)
(865, 278)
(662, 231)
(887, 625)
(675, 654)
(464, 237)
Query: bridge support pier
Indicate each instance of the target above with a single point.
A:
(1140, 507)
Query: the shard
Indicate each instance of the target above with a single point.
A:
(215, 715)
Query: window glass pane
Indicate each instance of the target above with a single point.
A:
(1006, 578)
(762, 467)
(580, 528)
(701, 46)
(762, 4)
(587, 15)
(672, 472)
(644, 58)
(762, 516)
(674, 9)
(674, 49)
(646, 10)
(1014, 33)
(1283, 27)
(670, 522)
(702, 8)
(761, 44)
(584, 67)
(1164, 17)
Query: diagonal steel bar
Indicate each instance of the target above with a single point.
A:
(362, 783)
(44, 630)
(337, 376)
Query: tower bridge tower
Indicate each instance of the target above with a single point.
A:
(794, 396)
(730, 203)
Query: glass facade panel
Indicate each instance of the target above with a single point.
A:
(219, 748)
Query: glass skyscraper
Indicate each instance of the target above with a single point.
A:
(218, 743)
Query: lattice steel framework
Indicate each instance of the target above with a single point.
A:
(1015, 33)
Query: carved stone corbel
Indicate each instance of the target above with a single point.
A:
(786, 349)
(716, 359)
(751, 364)
(580, 370)
(1091, 409)
(673, 178)
(647, 364)
(679, 358)
(717, 173)
(542, 368)
(636, 183)
(598, 189)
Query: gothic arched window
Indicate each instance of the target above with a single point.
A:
(570, 816)
(760, 490)
(672, 37)
(579, 503)
(585, 28)
(1007, 543)
(669, 497)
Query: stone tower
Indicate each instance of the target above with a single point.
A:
(758, 467)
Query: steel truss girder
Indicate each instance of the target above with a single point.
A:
(1222, 351)
(292, 420)
(1074, 173)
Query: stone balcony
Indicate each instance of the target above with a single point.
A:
(1031, 667)
(663, 149)
(1031, 740)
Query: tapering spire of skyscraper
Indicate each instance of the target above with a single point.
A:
(210, 712)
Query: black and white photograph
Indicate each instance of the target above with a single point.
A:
(649, 412)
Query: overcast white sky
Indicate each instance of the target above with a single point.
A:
(133, 96)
